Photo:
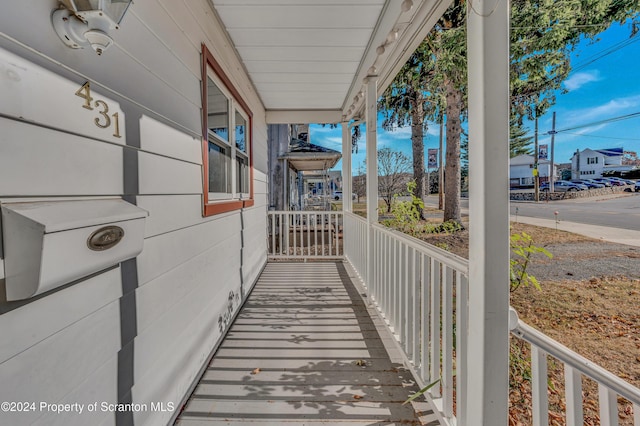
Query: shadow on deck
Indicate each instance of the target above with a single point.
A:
(305, 350)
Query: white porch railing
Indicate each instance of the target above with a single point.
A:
(355, 243)
(609, 385)
(422, 294)
(305, 234)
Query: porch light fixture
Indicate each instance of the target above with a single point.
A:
(81, 23)
(406, 5)
(391, 37)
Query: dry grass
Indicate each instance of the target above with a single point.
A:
(598, 319)
(544, 236)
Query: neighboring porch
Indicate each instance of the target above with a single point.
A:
(306, 348)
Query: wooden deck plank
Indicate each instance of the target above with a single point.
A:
(365, 375)
(299, 342)
(299, 412)
(303, 350)
(335, 328)
(312, 364)
(314, 389)
(299, 321)
(304, 336)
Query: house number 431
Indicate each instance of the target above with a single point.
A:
(105, 120)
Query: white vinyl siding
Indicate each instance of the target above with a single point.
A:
(189, 264)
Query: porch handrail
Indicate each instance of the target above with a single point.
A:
(412, 288)
(609, 384)
(453, 260)
(413, 282)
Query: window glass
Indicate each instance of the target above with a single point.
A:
(217, 111)
(242, 173)
(219, 165)
(241, 132)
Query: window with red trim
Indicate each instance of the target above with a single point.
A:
(227, 142)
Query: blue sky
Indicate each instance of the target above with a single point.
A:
(600, 87)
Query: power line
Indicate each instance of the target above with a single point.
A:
(560, 25)
(595, 123)
(595, 57)
(605, 52)
(602, 137)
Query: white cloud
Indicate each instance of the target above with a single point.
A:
(578, 80)
(318, 128)
(610, 109)
(405, 132)
(332, 142)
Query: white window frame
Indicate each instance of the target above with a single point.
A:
(237, 152)
(232, 198)
(233, 107)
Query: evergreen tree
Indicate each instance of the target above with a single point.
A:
(407, 102)
(519, 142)
(543, 35)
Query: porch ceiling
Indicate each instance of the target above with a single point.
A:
(308, 58)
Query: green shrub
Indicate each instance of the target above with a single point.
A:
(406, 214)
(522, 249)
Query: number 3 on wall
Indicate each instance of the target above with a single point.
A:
(84, 92)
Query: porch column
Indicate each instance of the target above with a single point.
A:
(347, 187)
(488, 361)
(286, 195)
(371, 116)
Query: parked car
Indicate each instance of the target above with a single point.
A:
(624, 181)
(616, 182)
(563, 186)
(602, 185)
(637, 186)
(337, 195)
(604, 181)
(589, 184)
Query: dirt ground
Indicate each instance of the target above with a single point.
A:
(588, 301)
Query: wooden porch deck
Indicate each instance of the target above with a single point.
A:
(305, 350)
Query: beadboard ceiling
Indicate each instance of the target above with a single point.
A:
(313, 55)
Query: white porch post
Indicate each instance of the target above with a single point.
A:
(488, 362)
(347, 187)
(286, 195)
(372, 167)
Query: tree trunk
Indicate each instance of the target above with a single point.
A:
(417, 146)
(452, 168)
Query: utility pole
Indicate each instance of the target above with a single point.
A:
(441, 169)
(553, 136)
(536, 180)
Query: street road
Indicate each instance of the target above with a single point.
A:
(622, 211)
(619, 212)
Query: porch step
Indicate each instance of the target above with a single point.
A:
(304, 351)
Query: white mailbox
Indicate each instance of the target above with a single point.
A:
(49, 244)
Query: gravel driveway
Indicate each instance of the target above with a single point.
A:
(581, 261)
